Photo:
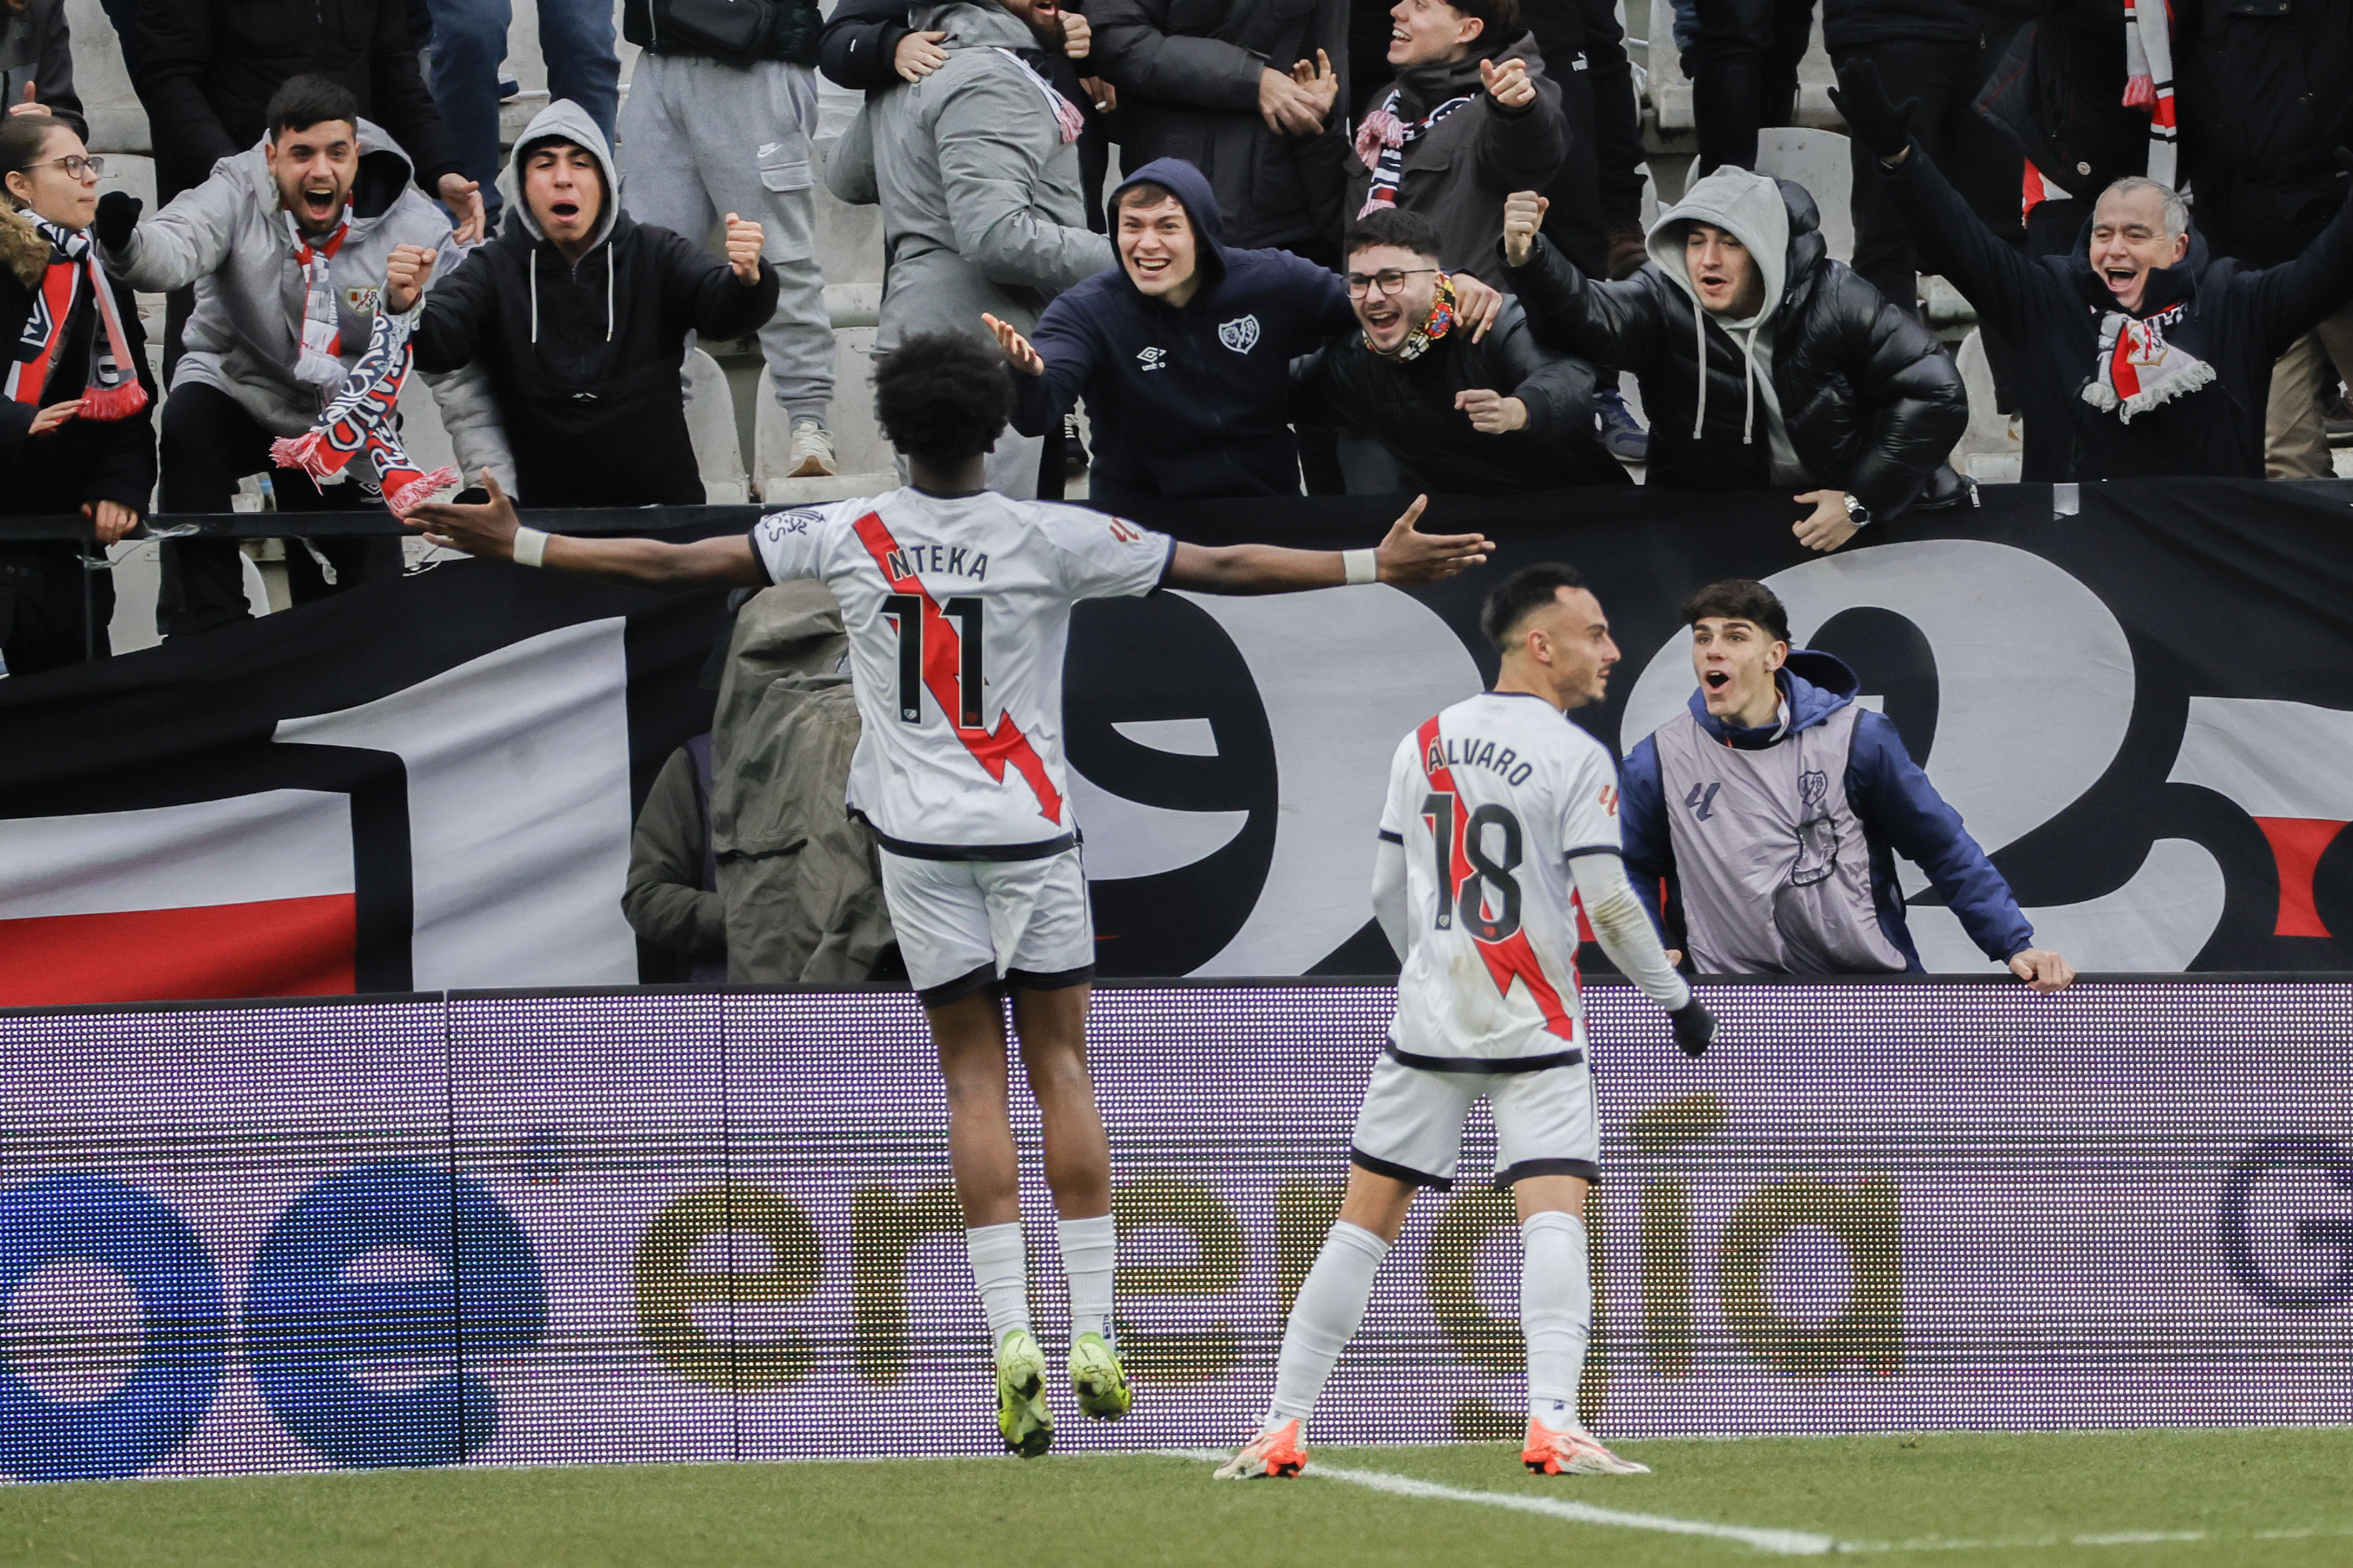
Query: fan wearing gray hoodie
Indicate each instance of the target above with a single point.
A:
(1763, 362)
(578, 314)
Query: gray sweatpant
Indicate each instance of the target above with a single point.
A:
(699, 140)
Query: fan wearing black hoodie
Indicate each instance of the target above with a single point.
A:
(580, 315)
(2143, 355)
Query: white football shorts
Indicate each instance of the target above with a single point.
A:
(1410, 1126)
(963, 925)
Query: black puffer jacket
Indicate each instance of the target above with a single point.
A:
(2267, 99)
(1869, 402)
(1187, 73)
(1408, 407)
(207, 67)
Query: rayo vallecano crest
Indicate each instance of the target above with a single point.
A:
(1240, 334)
(361, 299)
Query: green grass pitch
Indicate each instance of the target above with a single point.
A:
(2117, 1499)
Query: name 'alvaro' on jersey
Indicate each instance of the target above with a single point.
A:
(958, 610)
(1490, 800)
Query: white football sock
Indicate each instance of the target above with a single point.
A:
(1000, 1268)
(1555, 1314)
(1331, 1304)
(1089, 1253)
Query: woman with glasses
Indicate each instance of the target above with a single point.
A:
(76, 427)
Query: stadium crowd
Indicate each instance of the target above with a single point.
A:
(1398, 243)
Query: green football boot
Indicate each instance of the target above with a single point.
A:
(1022, 1418)
(1098, 1379)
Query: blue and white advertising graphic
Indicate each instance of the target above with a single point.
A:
(656, 1227)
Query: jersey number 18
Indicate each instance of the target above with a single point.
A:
(1487, 882)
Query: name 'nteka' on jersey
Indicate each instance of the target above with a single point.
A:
(1490, 800)
(958, 609)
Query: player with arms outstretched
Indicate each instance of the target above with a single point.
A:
(958, 603)
(1502, 820)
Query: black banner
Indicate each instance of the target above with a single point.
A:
(2131, 692)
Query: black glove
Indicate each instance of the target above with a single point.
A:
(1883, 126)
(1695, 1026)
(118, 215)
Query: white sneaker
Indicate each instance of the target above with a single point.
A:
(1551, 1453)
(812, 451)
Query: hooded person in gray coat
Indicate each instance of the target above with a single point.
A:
(976, 170)
(269, 342)
(1764, 363)
(578, 314)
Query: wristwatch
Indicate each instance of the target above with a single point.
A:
(1856, 512)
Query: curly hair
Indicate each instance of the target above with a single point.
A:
(942, 398)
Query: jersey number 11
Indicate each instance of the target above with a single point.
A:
(907, 611)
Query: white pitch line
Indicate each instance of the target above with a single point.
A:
(1782, 1542)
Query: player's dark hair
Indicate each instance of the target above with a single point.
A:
(1521, 594)
(942, 398)
(1739, 599)
(302, 101)
(1395, 226)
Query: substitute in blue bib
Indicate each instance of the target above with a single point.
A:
(1773, 809)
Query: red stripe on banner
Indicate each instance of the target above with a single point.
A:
(943, 659)
(2297, 844)
(1515, 956)
(284, 947)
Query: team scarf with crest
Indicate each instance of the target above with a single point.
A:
(322, 362)
(2149, 80)
(2138, 369)
(359, 418)
(112, 390)
(1436, 325)
(1382, 139)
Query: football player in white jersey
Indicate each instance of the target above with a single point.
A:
(1502, 821)
(957, 604)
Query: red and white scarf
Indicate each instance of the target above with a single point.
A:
(322, 362)
(2148, 79)
(112, 390)
(360, 419)
(2138, 369)
(1382, 139)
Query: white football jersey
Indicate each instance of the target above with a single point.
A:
(1490, 800)
(957, 612)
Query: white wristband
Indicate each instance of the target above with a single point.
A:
(1362, 566)
(530, 547)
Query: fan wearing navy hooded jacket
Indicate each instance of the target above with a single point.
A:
(1188, 383)
(580, 313)
(1773, 809)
